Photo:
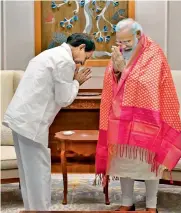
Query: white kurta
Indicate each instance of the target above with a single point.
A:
(45, 88)
(132, 168)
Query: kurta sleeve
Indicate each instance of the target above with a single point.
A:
(66, 89)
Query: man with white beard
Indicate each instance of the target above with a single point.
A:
(140, 128)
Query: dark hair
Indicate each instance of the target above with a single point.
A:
(77, 39)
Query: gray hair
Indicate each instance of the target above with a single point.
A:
(128, 24)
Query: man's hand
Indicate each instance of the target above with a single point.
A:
(118, 60)
(83, 75)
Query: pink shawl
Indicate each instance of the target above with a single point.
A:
(140, 113)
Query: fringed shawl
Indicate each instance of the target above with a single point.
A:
(140, 113)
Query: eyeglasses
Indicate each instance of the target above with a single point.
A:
(125, 42)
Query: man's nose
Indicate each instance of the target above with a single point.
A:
(123, 46)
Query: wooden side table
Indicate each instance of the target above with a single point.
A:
(81, 143)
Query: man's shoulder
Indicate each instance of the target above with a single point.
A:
(54, 56)
(153, 49)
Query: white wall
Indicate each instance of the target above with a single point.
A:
(1, 50)
(153, 16)
(18, 33)
(174, 34)
(161, 20)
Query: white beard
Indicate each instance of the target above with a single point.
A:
(127, 54)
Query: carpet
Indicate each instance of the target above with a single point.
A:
(82, 195)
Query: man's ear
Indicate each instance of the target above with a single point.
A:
(138, 34)
(82, 46)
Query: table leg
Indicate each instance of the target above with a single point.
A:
(64, 173)
(106, 191)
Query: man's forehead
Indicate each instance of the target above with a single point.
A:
(125, 35)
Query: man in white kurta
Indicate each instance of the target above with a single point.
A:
(51, 81)
(128, 34)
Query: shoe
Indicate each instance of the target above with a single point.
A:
(133, 208)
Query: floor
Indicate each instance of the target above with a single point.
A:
(83, 195)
